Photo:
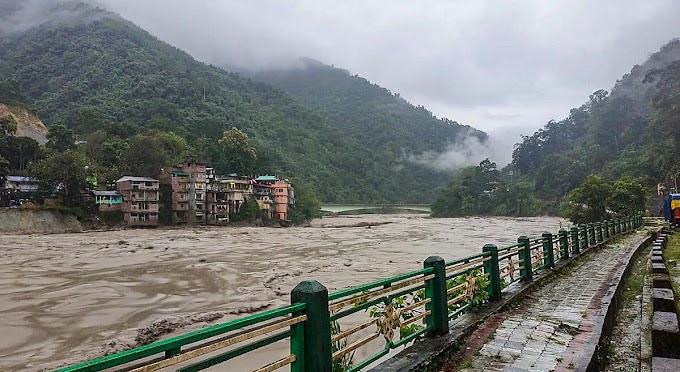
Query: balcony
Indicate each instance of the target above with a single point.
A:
(142, 186)
(140, 208)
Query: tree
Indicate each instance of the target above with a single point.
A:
(19, 151)
(8, 126)
(143, 157)
(472, 192)
(237, 152)
(588, 202)
(60, 138)
(666, 101)
(306, 206)
(627, 197)
(4, 166)
(64, 172)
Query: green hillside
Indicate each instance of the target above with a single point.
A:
(366, 112)
(107, 76)
(616, 135)
(632, 133)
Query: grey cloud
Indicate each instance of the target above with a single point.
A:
(489, 64)
(470, 150)
(18, 16)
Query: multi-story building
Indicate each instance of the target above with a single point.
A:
(140, 200)
(225, 195)
(187, 189)
(274, 196)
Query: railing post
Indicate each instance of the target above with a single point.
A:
(606, 229)
(297, 344)
(591, 234)
(491, 267)
(527, 272)
(564, 244)
(600, 238)
(584, 237)
(316, 336)
(435, 290)
(618, 226)
(548, 252)
(575, 243)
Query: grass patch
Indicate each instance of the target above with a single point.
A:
(467, 363)
(633, 283)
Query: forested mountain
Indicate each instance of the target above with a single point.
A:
(101, 75)
(632, 133)
(366, 112)
(615, 135)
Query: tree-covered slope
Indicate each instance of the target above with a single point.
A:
(366, 112)
(616, 141)
(615, 134)
(105, 73)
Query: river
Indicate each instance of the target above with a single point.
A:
(68, 297)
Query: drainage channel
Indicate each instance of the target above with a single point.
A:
(665, 330)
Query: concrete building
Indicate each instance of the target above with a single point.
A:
(273, 196)
(140, 200)
(187, 192)
(225, 195)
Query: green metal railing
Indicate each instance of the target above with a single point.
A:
(324, 331)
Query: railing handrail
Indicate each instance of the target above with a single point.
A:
(169, 344)
(378, 283)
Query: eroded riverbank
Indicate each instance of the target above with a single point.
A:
(67, 297)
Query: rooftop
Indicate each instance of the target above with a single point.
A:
(266, 178)
(136, 179)
(105, 193)
(20, 179)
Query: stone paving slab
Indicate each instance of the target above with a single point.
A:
(665, 364)
(664, 294)
(665, 321)
(552, 329)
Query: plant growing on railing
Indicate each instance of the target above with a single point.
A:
(479, 293)
(401, 302)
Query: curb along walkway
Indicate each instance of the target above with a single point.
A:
(553, 329)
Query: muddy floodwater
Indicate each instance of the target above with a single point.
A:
(68, 297)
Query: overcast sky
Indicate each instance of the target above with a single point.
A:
(490, 64)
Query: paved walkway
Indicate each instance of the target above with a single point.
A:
(550, 330)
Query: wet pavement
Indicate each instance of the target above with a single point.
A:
(554, 327)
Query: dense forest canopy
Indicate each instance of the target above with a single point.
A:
(112, 83)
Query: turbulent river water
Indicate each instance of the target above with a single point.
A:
(69, 297)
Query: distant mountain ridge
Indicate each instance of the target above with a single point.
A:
(367, 112)
(107, 74)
